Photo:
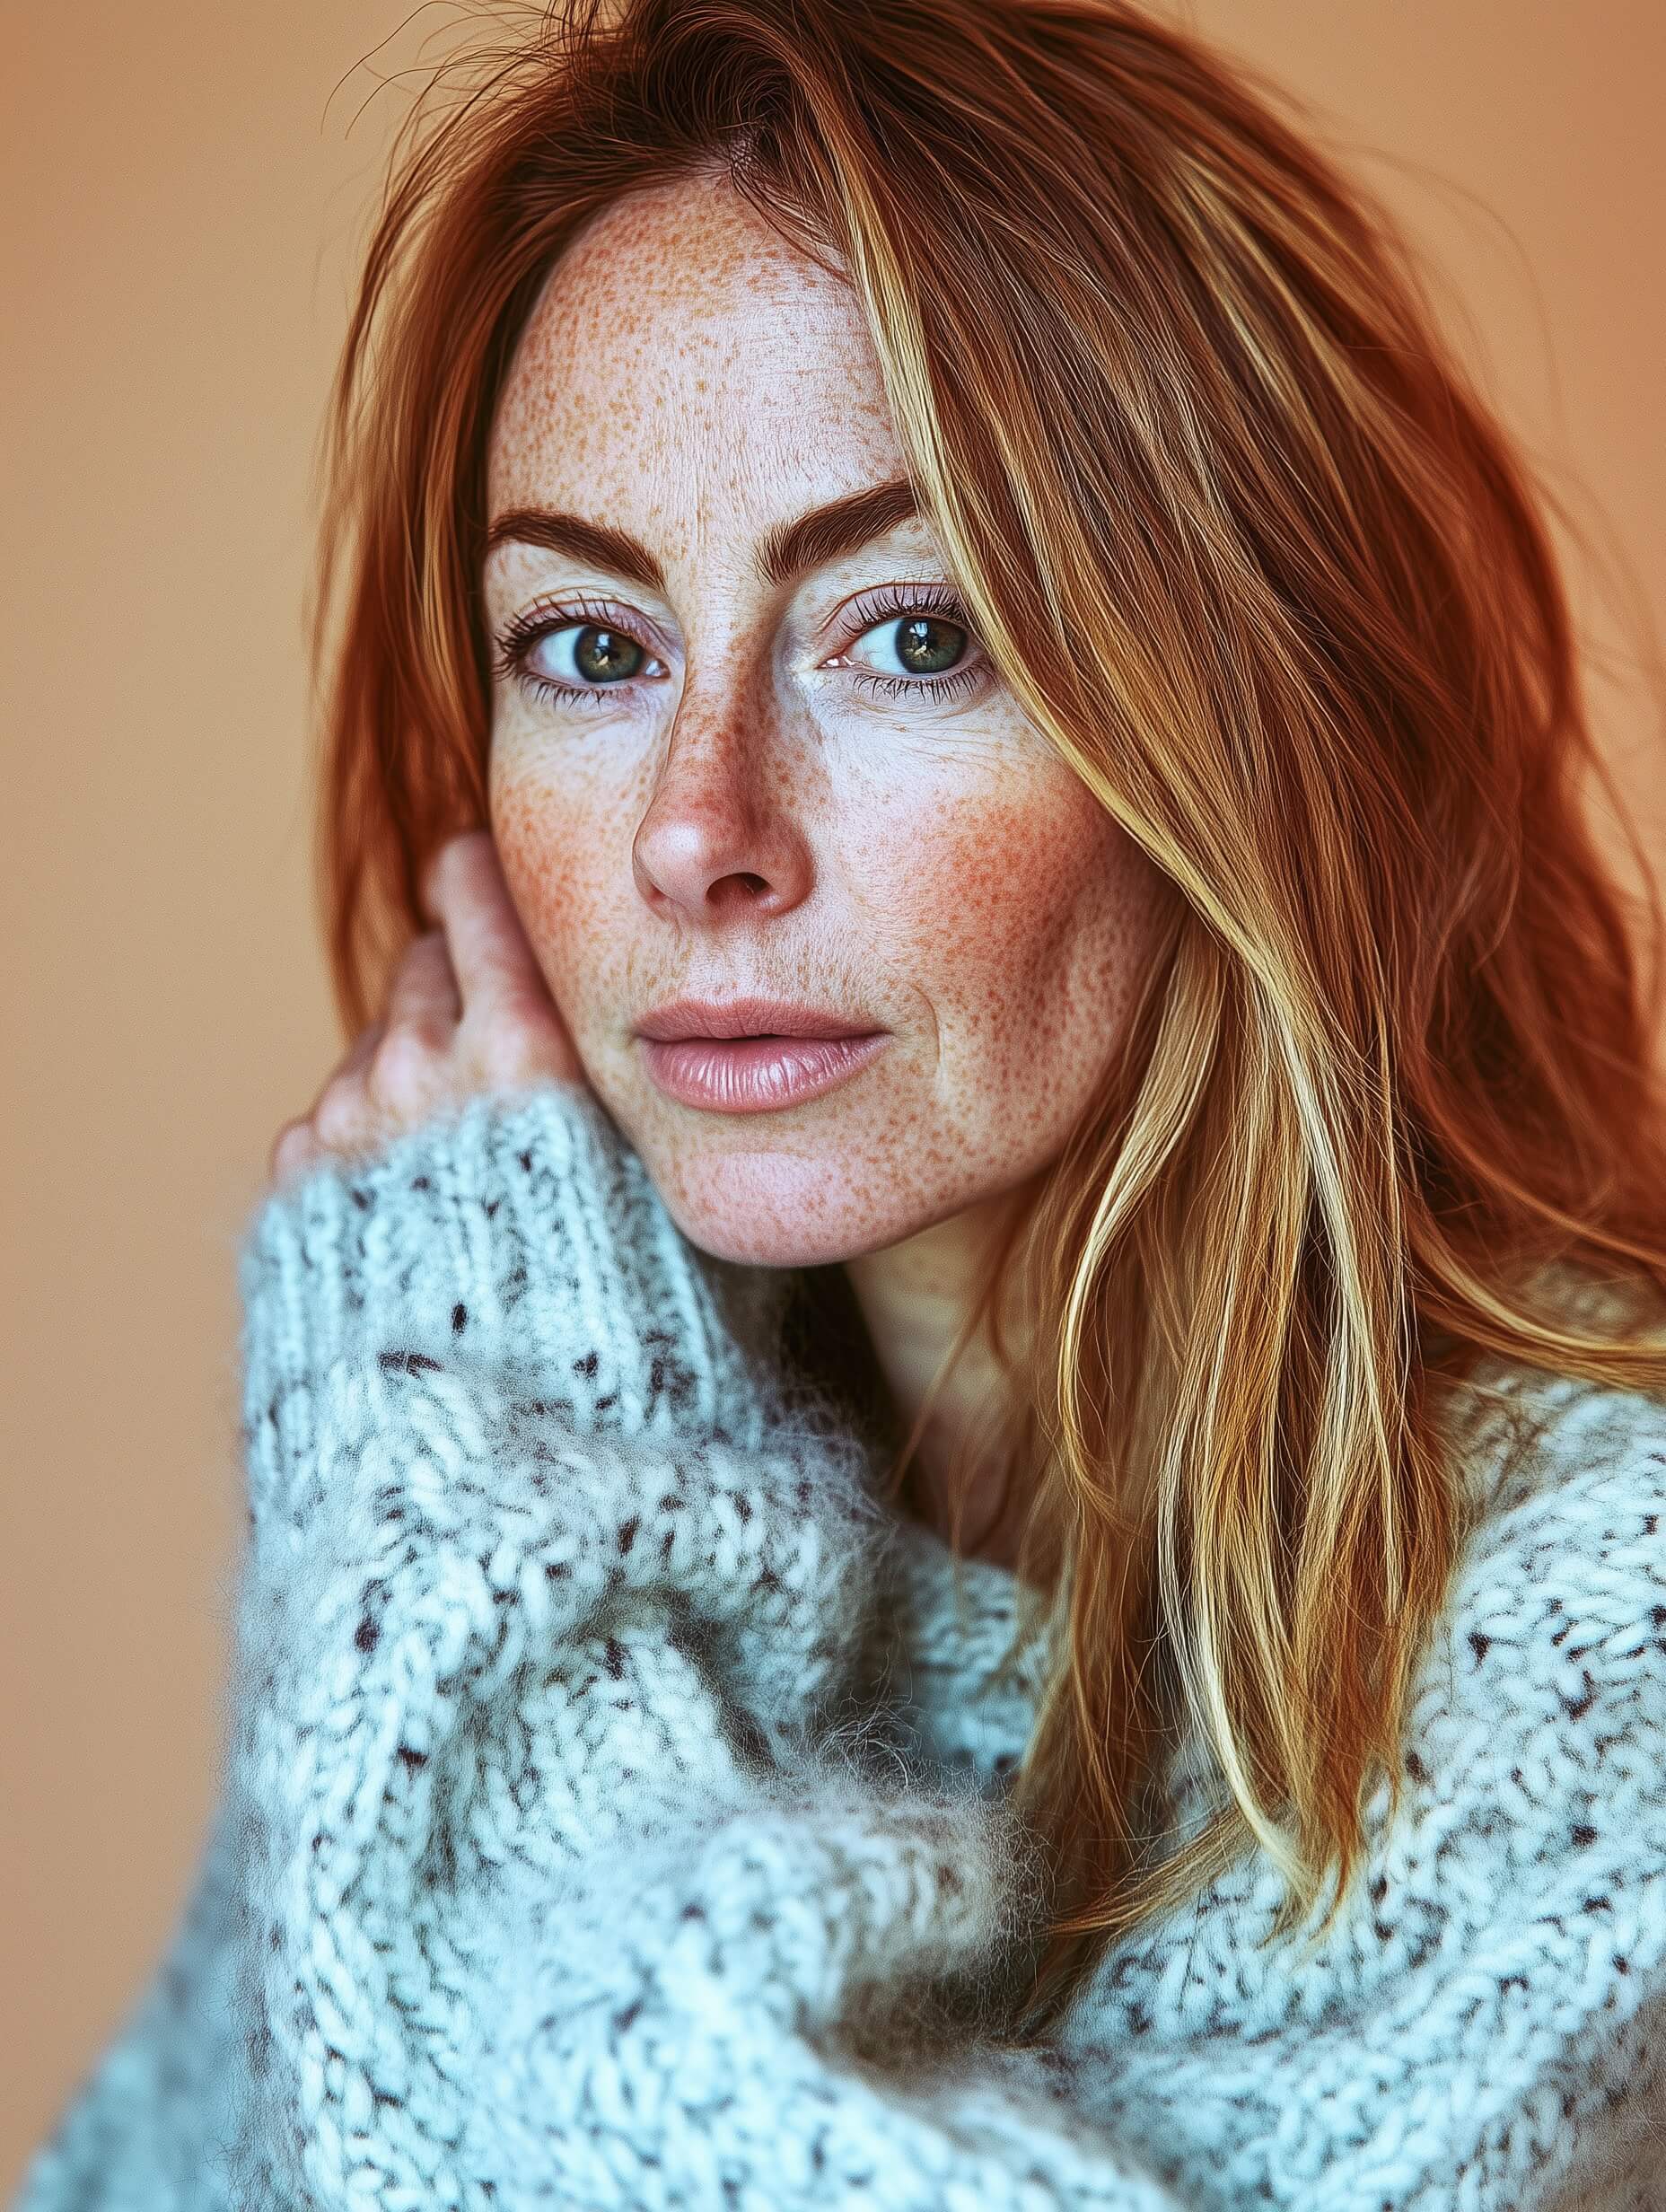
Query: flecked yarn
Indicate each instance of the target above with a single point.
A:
(614, 1809)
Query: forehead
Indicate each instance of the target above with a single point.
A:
(682, 348)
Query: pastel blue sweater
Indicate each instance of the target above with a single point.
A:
(615, 1816)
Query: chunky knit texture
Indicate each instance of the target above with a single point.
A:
(614, 1813)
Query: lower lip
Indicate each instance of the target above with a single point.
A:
(757, 1074)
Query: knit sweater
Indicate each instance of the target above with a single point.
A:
(616, 1805)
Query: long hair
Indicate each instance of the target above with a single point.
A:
(1246, 545)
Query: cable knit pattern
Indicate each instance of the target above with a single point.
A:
(615, 1810)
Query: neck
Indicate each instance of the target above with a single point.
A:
(915, 1297)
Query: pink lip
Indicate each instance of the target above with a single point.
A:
(747, 1017)
(757, 1074)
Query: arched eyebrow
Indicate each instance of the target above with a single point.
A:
(789, 549)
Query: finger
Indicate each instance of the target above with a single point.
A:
(352, 1062)
(363, 1046)
(495, 971)
(293, 1149)
(297, 1143)
(425, 996)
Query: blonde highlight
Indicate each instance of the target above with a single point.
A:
(1252, 556)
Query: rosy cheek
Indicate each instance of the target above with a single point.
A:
(1025, 915)
(987, 889)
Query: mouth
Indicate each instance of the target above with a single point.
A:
(757, 1074)
(736, 1019)
(753, 1056)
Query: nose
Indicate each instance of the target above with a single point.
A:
(718, 839)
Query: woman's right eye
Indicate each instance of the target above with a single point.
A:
(602, 653)
(605, 654)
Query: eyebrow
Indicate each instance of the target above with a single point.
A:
(788, 549)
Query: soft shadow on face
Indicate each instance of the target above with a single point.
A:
(761, 791)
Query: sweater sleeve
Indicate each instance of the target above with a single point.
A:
(564, 1857)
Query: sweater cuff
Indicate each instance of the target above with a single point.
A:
(524, 1230)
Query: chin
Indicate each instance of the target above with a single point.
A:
(763, 1209)
(765, 1250)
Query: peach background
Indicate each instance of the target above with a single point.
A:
(185, 201)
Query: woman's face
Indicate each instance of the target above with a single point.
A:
(778, 783)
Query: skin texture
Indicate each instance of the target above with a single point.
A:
(733, 812)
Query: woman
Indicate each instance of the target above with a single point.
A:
(1051, 1595)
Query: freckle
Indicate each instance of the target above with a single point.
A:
(983, 878)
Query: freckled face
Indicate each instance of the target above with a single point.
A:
(789, 788)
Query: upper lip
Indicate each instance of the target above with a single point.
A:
(746, 1017)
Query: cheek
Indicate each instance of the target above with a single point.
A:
(1033, 921)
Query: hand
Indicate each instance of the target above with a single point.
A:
(468, 1011)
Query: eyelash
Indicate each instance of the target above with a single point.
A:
(517, 639)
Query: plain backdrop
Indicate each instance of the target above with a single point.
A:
(187, 188)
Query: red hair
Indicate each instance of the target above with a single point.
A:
(1247, 547)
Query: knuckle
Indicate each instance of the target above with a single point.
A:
(404, 1063)
(449, 867)
(337, 1119)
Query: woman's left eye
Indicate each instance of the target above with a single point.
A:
(924, 627)
(929, 631)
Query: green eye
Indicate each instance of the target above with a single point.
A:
(928, 633)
